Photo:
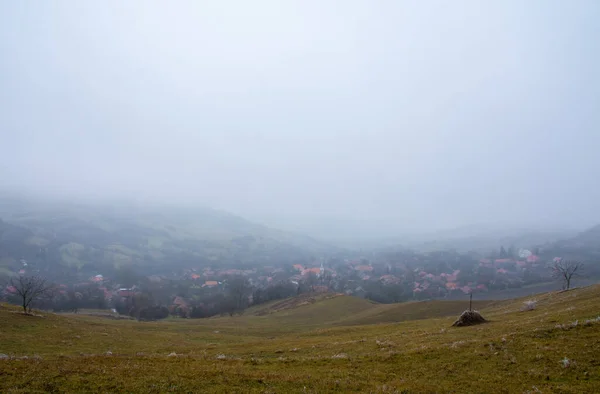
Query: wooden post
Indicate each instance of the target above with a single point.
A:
(470, 301)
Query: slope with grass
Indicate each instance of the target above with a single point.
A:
(314, 347)
(57, 235)
(337, 309)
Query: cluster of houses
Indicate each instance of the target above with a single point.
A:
(349, 276)
(486, 275)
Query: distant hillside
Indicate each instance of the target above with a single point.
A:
(15, 244)
(583, 246)
(483, 239)
(97, 237)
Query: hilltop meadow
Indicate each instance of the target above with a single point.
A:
(313, 344)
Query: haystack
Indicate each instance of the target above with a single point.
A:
(469, 318)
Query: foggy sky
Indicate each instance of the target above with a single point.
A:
(382, 116)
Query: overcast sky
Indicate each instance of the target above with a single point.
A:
(314, 115)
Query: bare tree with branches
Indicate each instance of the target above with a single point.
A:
(238, 289)
(30, 289)
(564, 270)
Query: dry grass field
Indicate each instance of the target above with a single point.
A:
(316, 344)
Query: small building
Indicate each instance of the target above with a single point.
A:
(97, 279)
(125, 292)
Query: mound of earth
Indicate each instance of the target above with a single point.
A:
(469, 318)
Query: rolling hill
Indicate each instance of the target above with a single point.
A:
(338, 309)
(94, 237)
(583, 247)
(586, 244)
(334, 344)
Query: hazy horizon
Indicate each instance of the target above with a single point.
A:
(353, 117)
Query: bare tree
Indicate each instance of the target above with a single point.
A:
(326, 279)
(238, 291)
(30, 289)
(564, 270)
(311, 280)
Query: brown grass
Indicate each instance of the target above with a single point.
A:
(326, 346)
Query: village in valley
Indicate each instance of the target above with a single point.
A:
(385, 278)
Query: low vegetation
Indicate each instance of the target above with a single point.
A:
(329, 344)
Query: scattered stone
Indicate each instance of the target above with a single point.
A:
(4, 356)
(109, 353)
(529, 305)
(575, 323)
(173, 354)
(340, 355)
(221, 357)
(456, 344)
(384, 343)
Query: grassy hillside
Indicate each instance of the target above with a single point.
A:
(335, 309)
(96, 236)
(337, 344)
(584, 246)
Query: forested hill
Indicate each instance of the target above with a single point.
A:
(63, 236)
(584, 246)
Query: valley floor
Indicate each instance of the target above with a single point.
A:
(336, 344)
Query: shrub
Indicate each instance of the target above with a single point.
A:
(154, 313)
